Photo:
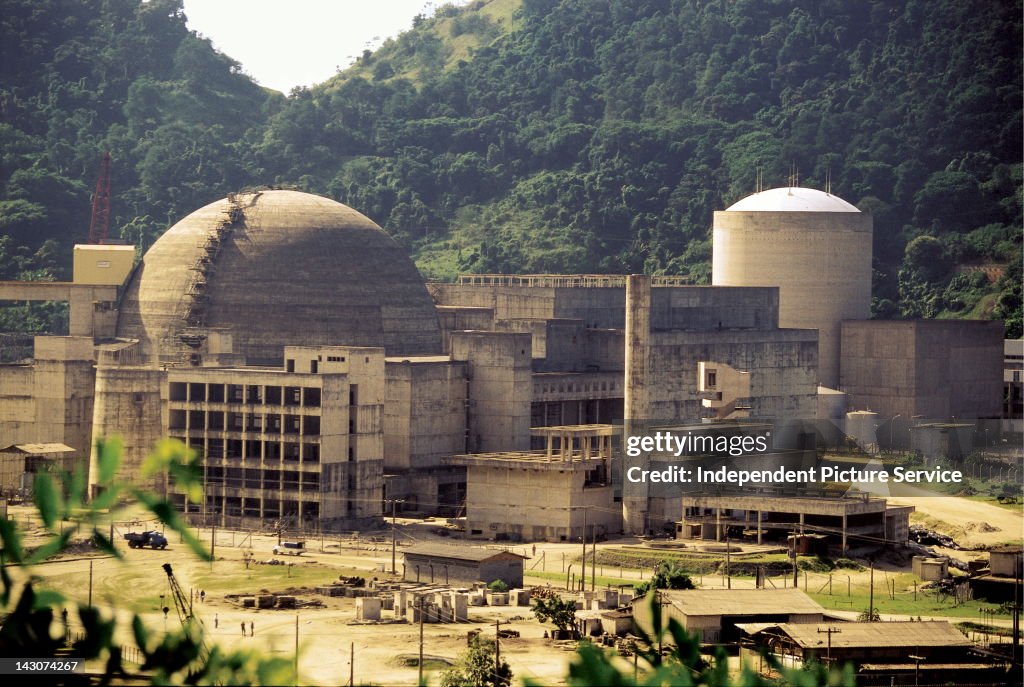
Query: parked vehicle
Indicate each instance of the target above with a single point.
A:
(290, 548)
(140, 540)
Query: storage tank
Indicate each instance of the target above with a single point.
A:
(814, 246)
(862, 426)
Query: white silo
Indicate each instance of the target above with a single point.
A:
(814, 246)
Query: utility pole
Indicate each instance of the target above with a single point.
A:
(90, 584)
(420, 682)
(871, 595)
(728, 560)
(830, 631)
(394, 541)
(497, 647)
(213, 544)
(583, 572)
(917, 667)
(296, 648)
(593, 561)
(352, 664)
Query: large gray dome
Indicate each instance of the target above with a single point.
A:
(275, 268)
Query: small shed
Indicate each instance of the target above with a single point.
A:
(20, 462)
(440, 563)
(618, 622)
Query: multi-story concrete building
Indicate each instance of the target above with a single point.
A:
(303, 446)
(293, 343)
(562, 492)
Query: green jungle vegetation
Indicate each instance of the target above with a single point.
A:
(541, 135)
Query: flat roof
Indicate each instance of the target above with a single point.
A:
(37, 449)
(741, 601)
(533, 460)
(458, 553)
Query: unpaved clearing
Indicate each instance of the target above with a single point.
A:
(972, 523)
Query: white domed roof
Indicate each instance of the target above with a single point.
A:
(792, 199)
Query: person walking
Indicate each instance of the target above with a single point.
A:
(216, 621)
(252, 629)
(243, 628)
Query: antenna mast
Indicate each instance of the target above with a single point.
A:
(99, 227)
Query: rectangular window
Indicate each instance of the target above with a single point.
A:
(179, 391)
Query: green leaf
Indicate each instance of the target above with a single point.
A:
(104, 544)
(48, 499)
(141, 634)
(74, 487)
(107, 498)
(109, 451)
(52, 547)
(48, 598)
(11, 538)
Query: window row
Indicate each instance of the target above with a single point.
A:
(231, 421)
(248, 449)
(200, 392)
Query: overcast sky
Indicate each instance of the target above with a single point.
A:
(288, 43)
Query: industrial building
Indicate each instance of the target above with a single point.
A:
(560, 493)
(19, 464)
(435, 563)
(715, 614)
(293, 343)
(883, 653)
(935, 369)
(767, 516)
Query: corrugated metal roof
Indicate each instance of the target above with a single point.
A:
(458, 553)
(882, 634)
(741, 601)
(37, 449)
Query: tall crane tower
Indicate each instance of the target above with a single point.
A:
(99, 227)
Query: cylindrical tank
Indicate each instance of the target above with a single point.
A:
(814, 246)
(861, 425)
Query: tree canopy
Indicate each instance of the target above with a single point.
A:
(546, 135)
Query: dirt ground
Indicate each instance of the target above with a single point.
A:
(384, 653)
(973, 523)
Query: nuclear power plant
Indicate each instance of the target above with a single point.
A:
(293, 344)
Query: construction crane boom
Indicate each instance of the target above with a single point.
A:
(99, 226)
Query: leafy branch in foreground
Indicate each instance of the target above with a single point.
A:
(29, 627)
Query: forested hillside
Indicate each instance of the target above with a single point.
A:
(546, 135)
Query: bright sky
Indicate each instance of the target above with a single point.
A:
(288, 43)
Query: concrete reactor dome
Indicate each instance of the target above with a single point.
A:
(276, 268)
(814, 246)
(792, 199)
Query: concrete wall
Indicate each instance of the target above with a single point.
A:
(537, 504)
(782, 367)
(130, 404)
(500, 388)
(936, 369)
(51, 399)
(424, 412)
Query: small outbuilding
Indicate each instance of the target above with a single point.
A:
(439, 563)
(19, 463)
(713, 614)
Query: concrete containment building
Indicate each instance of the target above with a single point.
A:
(814, 246)
(273, 268)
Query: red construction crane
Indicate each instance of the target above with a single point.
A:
(99, 227)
